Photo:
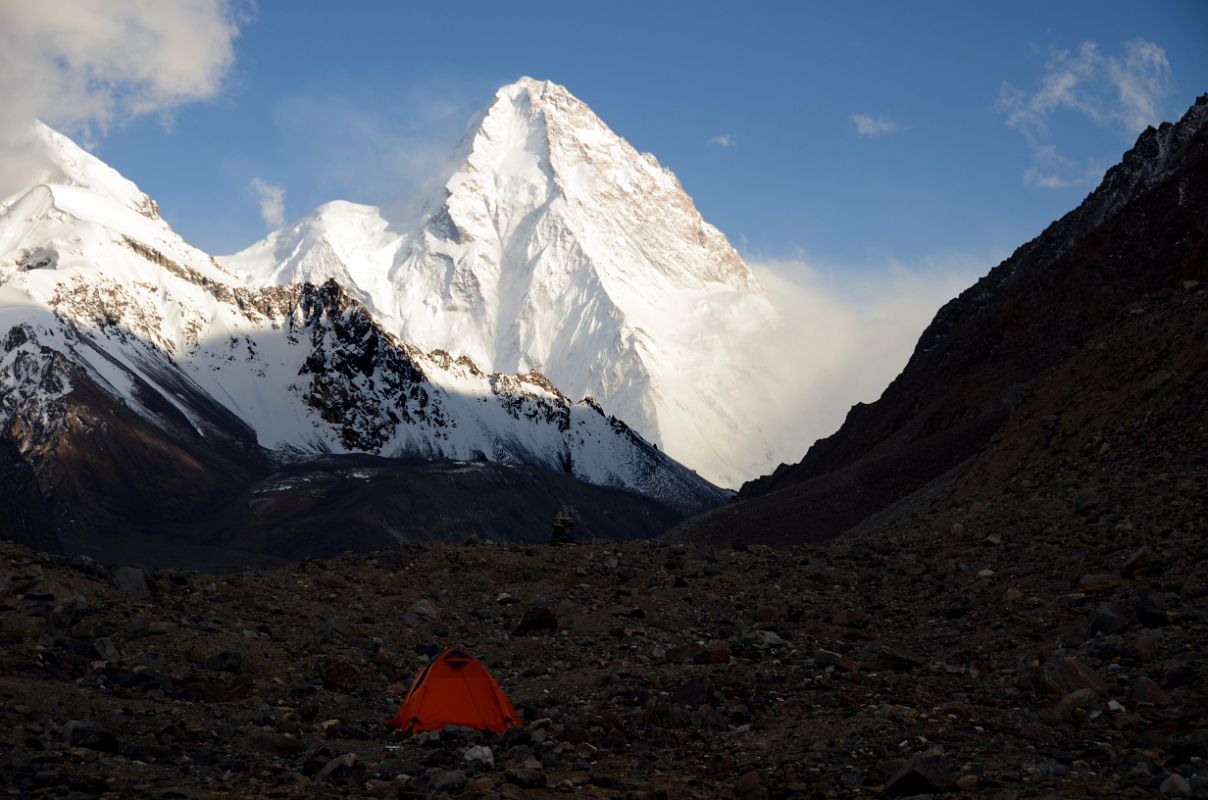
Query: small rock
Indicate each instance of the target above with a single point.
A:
(1107, 618)
(1099, 583)
(615, 739)
(342, 771)
(276, 744)
(1080, 698)
(106, 649)
(767, 639)
(1156, 382)
(131, 581)
(1153, 613)
(684, 652)
(919, 775)
(335, 629)
(827, 658)
(847, 618)
(606, 780)
(449, 780)
(1064, 675)
(92, 737)
(1145, 690)
(478, 757)
(420, 612)
(1175, 785)
(749, 786)
(525, 778)
(1140, 562)
(225, 661)
(898, 660)
(966, 783)
(715, 653)
(537, 620)
(694, 693)
(337, 672)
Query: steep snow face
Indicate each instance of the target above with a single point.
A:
(556, 246)
(88, 282)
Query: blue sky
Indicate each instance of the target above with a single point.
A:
(957, 157)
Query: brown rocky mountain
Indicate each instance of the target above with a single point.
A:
(1095, 287)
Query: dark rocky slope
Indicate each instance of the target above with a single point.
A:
(1142, 233)
(1025, 645)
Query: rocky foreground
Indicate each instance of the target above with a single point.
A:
(979, 650)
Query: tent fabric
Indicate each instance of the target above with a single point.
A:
(454, 688)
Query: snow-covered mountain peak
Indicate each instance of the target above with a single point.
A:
(58, 161)
(539, 148)
(556, 246)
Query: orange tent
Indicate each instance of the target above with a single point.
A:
(454, 689)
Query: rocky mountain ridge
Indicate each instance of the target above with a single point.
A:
(1140, 234)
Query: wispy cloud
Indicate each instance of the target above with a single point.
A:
(723, 140)
(1123, 93)
(868, 125)
(272, 202)
(1052, 170)
(390, 150)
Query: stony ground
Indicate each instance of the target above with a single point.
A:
(997, 648)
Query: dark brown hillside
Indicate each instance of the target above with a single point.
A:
(1142, 232)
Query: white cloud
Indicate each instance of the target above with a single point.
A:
(1123, 93)
(81, 66)
(723, 140)
(844, 334)
(272, 202)
(868, 125)
(78, 64)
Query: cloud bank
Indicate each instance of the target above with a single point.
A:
(1122, 93)
(844, 334)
